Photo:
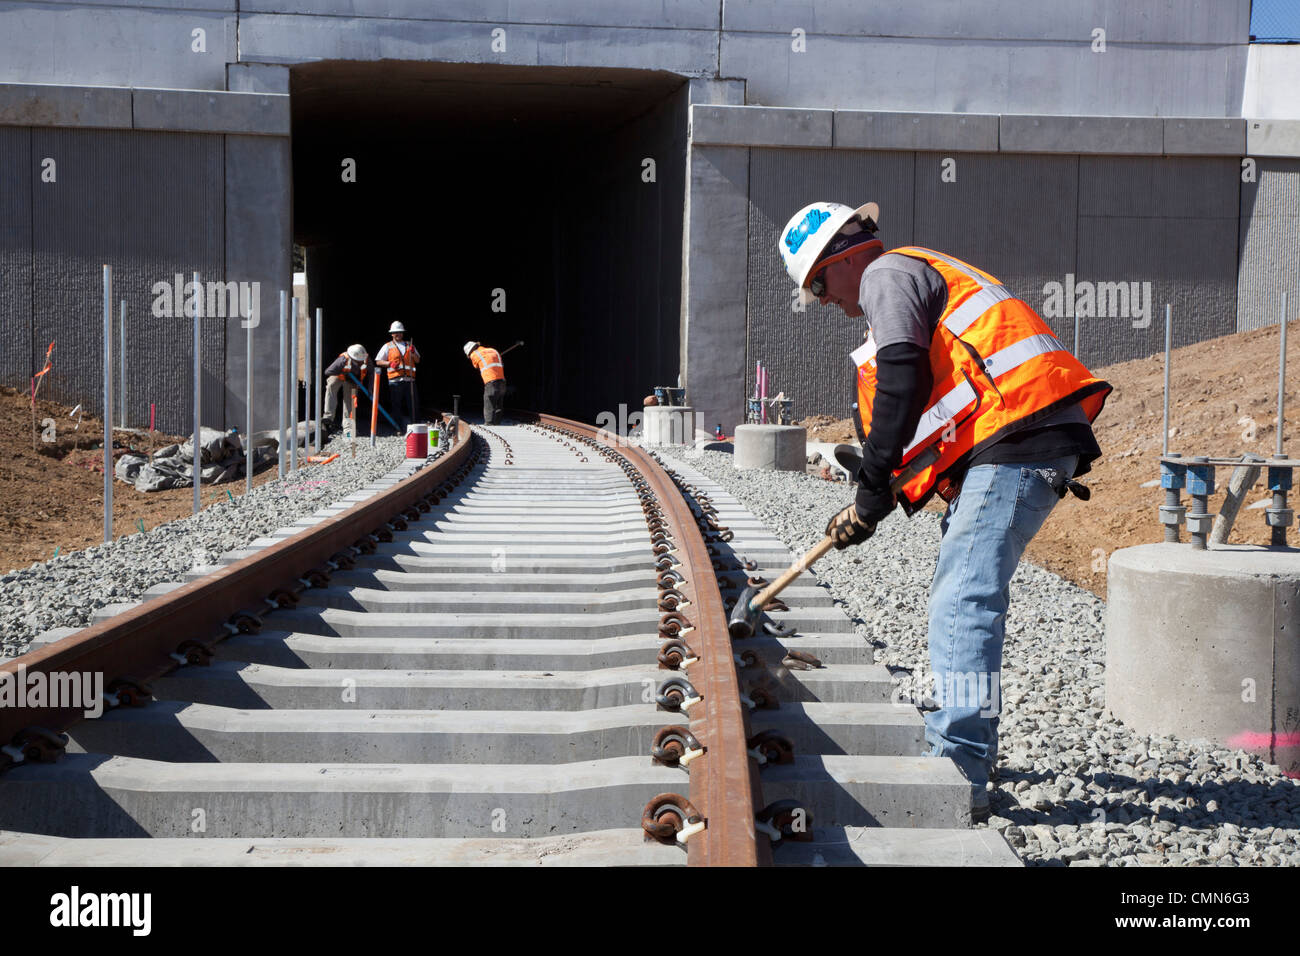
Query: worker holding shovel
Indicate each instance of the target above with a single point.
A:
(488, 362)
(963, 392)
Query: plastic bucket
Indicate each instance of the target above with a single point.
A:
(417, 441)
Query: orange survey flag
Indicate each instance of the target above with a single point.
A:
(48, 365)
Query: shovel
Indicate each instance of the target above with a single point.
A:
(749, 606)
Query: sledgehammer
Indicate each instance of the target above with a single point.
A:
(749, 606)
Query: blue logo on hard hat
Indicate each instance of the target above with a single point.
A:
(798, 234)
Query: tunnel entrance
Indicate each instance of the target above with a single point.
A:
(497, 204)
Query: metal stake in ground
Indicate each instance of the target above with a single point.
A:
(1281, 378)
(121, 384)
(108, 404)
(198, 387)
(284, 362)
(320, 318)
(293, 384)
(248, 408)
(1169, 324)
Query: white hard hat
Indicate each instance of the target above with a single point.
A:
(808, 233)
(356, 353)
(470, 346)
(396, 327)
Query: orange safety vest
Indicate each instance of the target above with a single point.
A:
(401, 363)
(488, 363)
(348, 365)
(997, 369)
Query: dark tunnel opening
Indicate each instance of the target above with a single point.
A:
(497, 204)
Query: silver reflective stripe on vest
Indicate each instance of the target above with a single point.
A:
(947, 408)
(493, 365)
(1001, 362)
(962, 317)
(980, 301)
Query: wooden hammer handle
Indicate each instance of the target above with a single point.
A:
(800, 565)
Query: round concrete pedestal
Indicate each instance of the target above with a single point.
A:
(1206, 645)
(667, 425)
(777, 447)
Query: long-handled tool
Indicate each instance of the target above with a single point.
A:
(750, 604)
(513, 347)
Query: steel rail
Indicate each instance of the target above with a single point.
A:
(138, 644)
(725, 785)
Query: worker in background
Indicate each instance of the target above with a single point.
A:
(963, 392)
(400, 357)
(488, 362)
(355, 362)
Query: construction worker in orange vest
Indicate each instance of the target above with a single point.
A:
(963, 392)
(352, 362)
(488, 362)
(400, 357)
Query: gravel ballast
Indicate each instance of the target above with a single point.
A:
(1074, 786)
(66, 591)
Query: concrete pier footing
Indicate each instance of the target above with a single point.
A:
(668, 425)
(1206, 645)
(777, 447)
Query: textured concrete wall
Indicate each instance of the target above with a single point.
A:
(1029, 220)
(714, 283)
(1269, 244)
(258, 238)
(16, 255)
(151, 205)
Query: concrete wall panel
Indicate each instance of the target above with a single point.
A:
(211, 112)
(1190, 264)
(861, 129)
(16, 256)
(674, 14)
(28, 104)
(1144, 21)
(745, 126)
(1013, 216)
(806, 353)
(714, 280)
(114, 45)
(987, 76)
(258, 248)
(278, 38)
(1269, 246)
(150, 205)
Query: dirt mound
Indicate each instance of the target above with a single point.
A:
(52, 496)
(829, 428)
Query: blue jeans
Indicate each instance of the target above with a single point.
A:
(985, 530)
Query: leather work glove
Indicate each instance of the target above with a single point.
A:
(848, 527)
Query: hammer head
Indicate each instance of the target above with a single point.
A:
(744, 619)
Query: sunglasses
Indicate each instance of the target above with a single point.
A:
(817, 284)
